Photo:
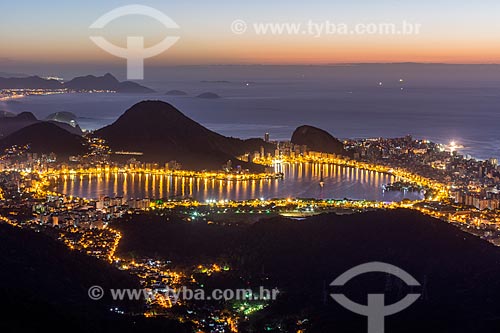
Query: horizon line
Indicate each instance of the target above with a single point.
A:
(18, 73)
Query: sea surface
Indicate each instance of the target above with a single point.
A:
(427, 102)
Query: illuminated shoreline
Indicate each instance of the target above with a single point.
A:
(175, 173)
(442, 190)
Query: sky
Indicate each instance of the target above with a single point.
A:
(55, 34)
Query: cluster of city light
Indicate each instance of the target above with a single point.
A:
(39, 187)
(286, 207)
(211, 269)
(463, 217)
(453, 146)
(306, 207)
(295, 206)
(8, 94)
(248, 309)
(143, 271)
(114, 246)
(299, 207)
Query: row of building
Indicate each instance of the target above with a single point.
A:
(65, 211)
(480, 201)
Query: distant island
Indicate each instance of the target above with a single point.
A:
(208, 95)
(176, 93)
(106, 82)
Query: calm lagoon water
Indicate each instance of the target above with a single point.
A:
(300, 181)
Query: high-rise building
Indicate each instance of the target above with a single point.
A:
(266, 137)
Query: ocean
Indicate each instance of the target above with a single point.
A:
(427, 102)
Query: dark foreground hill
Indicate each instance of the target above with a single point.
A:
(44, 287)
(459, 273)
(9, 125)
(163, 134)
(317, 140)
(45, 138)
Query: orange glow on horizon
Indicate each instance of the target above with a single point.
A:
(271, 50)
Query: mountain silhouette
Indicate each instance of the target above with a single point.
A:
(31, 82)
(105, 82)
(176, 93)
(163, 134)
(89, 82)
(45, 137)
(318, 140)
(9, 125)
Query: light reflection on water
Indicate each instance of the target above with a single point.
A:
(301, 180)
